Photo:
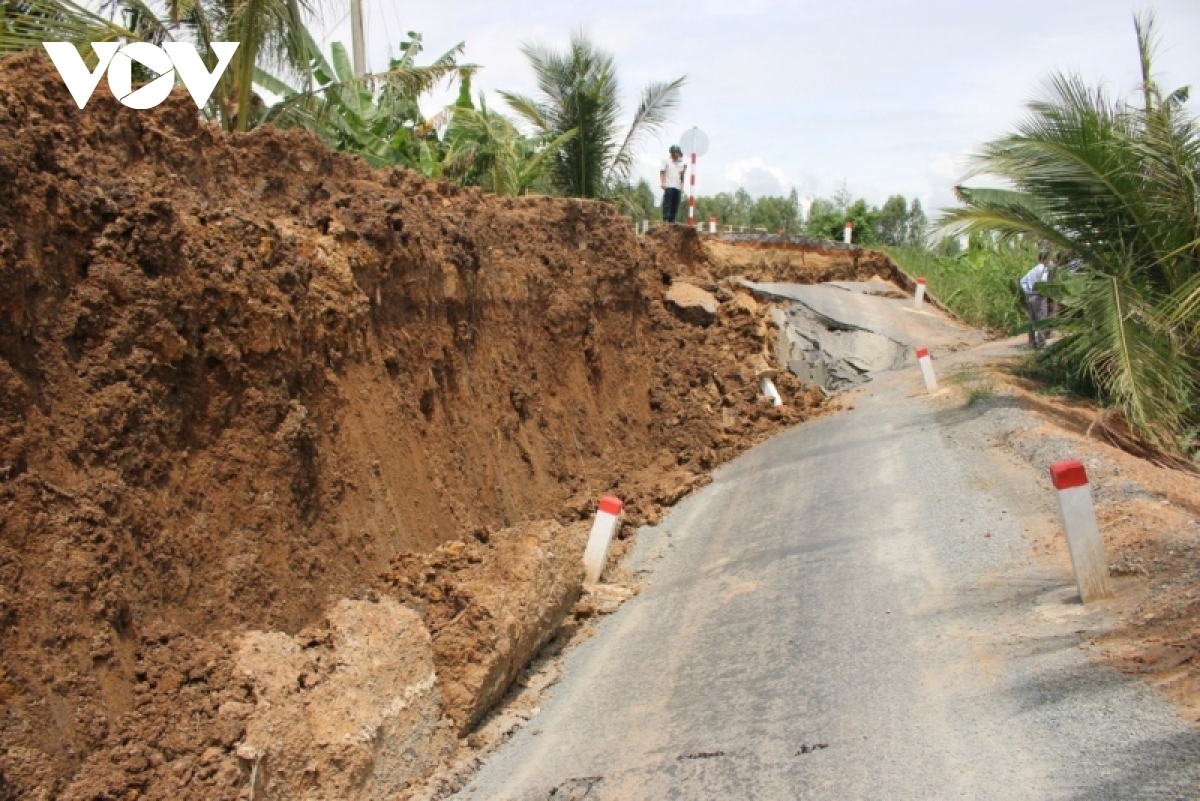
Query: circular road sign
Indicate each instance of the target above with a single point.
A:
(695, 141)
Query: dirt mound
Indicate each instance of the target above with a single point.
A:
(240, 374)
(801, 263)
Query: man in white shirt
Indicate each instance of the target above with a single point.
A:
(670, 177)
(1039, 307)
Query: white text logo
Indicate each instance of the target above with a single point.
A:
(172, 57)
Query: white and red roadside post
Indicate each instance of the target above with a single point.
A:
(692, 194)
(927, 369)
(608, 517)
(712, 225)
(849, 233)
(919, 297)
(1083, 531)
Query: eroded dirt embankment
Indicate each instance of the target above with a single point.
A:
(241, 377)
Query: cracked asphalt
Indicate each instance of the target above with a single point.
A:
(851, 611)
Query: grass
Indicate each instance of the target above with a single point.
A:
(979, 285)
(974, 382)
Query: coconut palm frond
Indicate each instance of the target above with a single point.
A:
(659, 100)
(25, 25)
(1110, 334)
(578, 91)
(1115, 184)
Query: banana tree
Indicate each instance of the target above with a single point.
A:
(376, 116)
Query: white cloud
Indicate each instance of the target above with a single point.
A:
(758, 177)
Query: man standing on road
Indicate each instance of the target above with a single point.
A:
(670, 177)
(1039, 306)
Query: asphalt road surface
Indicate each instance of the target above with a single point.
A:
(850, 612)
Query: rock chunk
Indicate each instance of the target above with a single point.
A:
(491, 605)
(741, 303)
(691, 303)
(348, 711)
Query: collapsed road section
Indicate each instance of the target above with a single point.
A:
(263, 408)
(835, 335)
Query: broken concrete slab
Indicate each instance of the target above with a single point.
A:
(691, 304)
(891, 318)
(836, 335)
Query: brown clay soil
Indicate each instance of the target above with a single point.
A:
(243, 378)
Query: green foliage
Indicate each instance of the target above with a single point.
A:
(897, 223)
(638, 201)
(977, 384)
(485, 149)
(580, 94)
(1115, 186)
(739, 209)
(376, 116)
(979, 284)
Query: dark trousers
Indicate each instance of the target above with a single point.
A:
(671, 204)
(1039, 309)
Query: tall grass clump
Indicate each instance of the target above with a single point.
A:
(980, 284)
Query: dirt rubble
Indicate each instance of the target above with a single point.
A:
(254, 395)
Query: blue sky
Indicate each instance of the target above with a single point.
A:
(883, 97)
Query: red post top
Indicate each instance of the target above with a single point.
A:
(611, 505)
(712, 219)
(920, 280)
(849, 224)
(1068, 474)
(922, 353)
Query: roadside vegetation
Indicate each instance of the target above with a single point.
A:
(980, 283)
(1113, 186)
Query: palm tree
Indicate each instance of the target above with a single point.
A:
(580, 92)
(1114, 185)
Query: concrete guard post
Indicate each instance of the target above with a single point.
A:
(770, 390)
(919, 297)
(765, 374)
(712, 225)
(1083, 531)
(927, 369)
(608, 516)
(848, 235)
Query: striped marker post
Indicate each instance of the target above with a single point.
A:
(692, 196)
(712, 225)
(927, 369)
(608, 517)
(919, 297)
(1083, 531)
(849, 234)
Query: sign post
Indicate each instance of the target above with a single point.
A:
(695, 143)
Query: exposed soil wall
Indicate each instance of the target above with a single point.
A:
(240, 375)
